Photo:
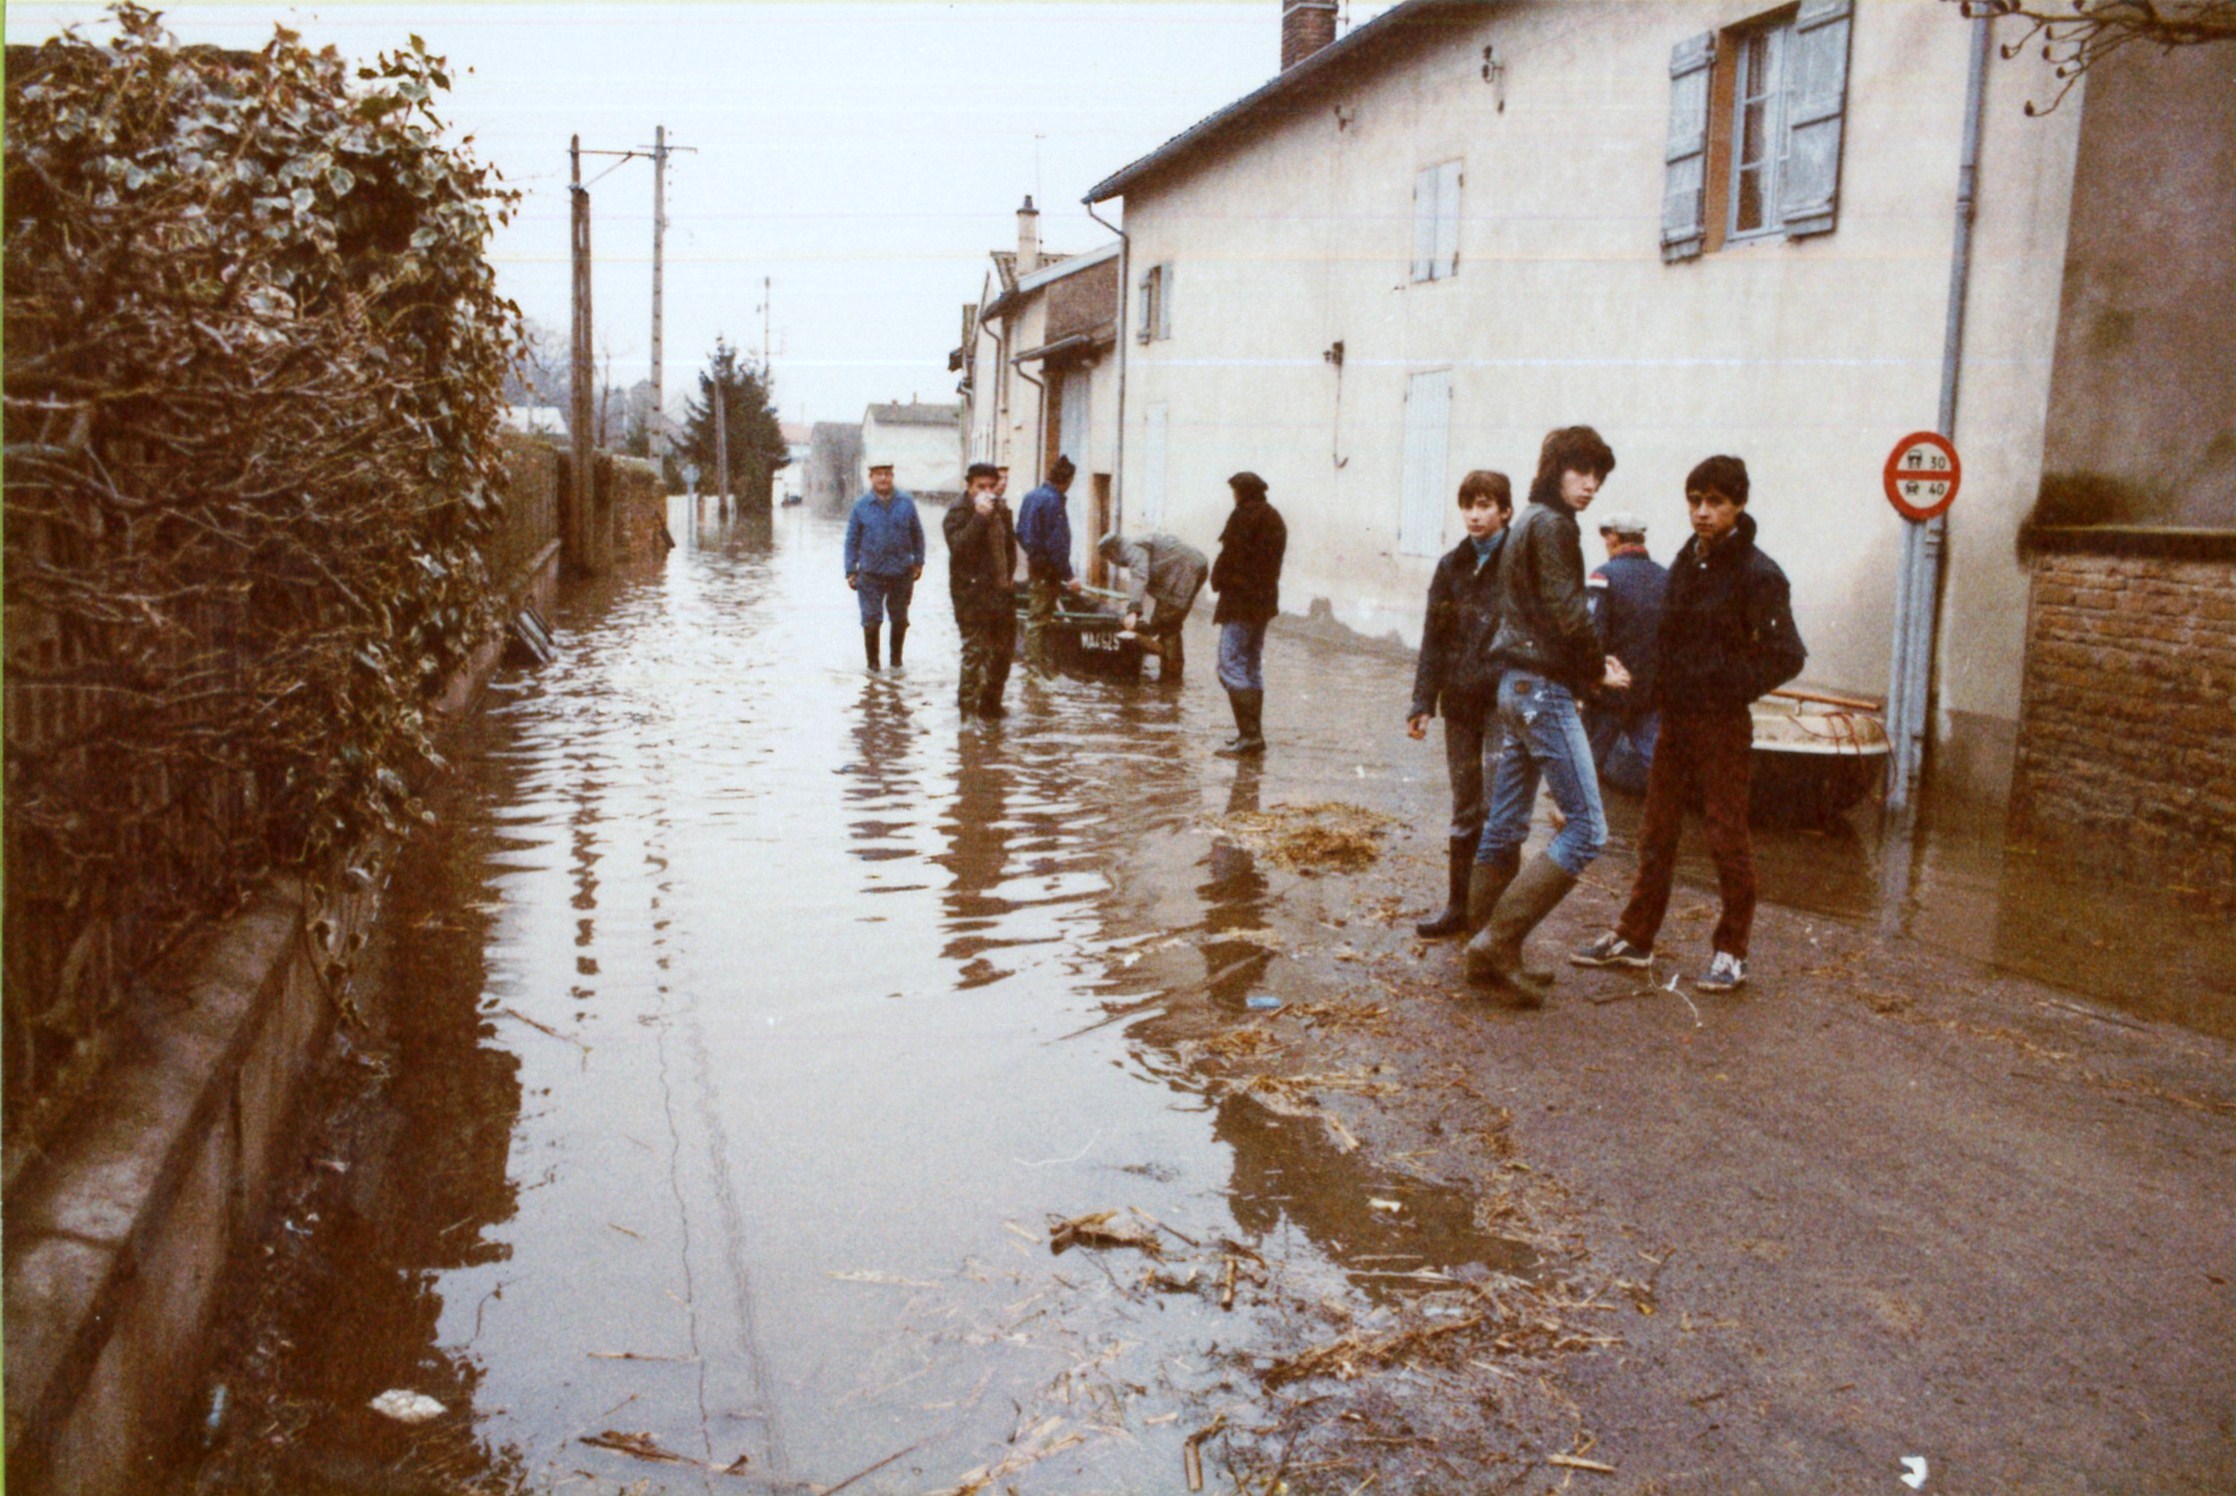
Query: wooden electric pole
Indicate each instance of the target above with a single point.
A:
(581, 545)
(661, 150)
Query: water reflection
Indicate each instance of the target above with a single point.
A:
(1237, 948)
(976, 825)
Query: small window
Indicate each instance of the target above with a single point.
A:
(1436, 222)
(1755, 122)
(1156, 304)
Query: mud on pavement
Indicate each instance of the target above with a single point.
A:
(1078, 1113)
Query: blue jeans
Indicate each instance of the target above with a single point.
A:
(1242, 651)
(1544, 735)
(1622, 745)
(883, 595)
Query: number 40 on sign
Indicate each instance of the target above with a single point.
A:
(1922, 475)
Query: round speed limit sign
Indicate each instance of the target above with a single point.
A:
(1922, 475)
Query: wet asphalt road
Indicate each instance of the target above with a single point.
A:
(747, 1032)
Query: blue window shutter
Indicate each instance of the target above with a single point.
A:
(1816, 100)
(1684, 206)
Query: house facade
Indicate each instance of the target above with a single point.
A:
(918, 439)
(1040, 378)
(1698, 225)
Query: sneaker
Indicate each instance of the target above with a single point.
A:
(1727, 973)
(1610, 950)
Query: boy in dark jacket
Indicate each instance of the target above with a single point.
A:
(1550, 656)
(1727, 637)
(981, 573)
(1458, 673)
(1044, 532)
(1247, 577)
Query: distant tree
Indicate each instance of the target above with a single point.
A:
(756, 441)
(540, 375)
(2075, 35)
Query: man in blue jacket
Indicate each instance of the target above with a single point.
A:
(1044, 533)
(1625, 593)
(884, 558)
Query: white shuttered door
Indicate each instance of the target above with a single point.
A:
(1151, 513)
(1428, 433)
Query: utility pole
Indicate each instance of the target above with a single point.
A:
(584, 555)
(722, 441)
(661, 150)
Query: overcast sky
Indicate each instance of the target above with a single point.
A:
(864, 157)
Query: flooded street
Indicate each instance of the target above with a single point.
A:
(750, 1022)
(741, 1069)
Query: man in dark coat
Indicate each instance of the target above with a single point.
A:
(1727, 637)
(1247, 578)
(1550, 656)
(1044, 531)
(1458, 674)
(1626, 592)
(981, 573)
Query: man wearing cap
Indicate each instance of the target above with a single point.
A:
(1625, 594)
(1247, 577)
(884, 558)
(1163, 570)
(1044, 530)
(981, 571)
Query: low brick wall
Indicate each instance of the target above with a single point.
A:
(2127, 734)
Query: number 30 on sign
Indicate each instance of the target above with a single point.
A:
(1922, 475)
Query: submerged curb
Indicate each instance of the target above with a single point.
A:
(117, 1237)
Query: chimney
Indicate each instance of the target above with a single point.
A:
(1028, 238)
(1306, 27)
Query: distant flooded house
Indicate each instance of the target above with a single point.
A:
(1040, 375)
(918, 439)
(1701, 227)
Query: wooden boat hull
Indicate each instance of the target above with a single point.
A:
(1812, 760)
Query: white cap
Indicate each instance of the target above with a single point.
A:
(1622, 522)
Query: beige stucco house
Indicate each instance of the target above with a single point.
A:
(918, 439)
(1700, 225)
(1040, 376)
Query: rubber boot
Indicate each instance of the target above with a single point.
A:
(1494, 956)
(1249, 713)
(1168, 650)
(1234, 704)
(1460, 869)
(1487, 883)
(900, 632)
(869, 643)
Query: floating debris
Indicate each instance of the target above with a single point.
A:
(407, 1407)
(1102, 1229)
(1326, 837)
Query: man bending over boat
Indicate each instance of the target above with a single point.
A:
(1726, 637)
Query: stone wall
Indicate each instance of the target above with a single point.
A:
(640, 511)
(2127, 746)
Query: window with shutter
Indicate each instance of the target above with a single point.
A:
(1164, 300)
(1816, 100)
(1684, 215)
(1428, 428)
(1145, 326)
(1436, 221)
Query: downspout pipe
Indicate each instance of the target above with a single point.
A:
(1040, 426)
(1125, 357)
(1924, 544)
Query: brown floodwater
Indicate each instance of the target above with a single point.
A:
(746, 1027)
(743, 1039)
